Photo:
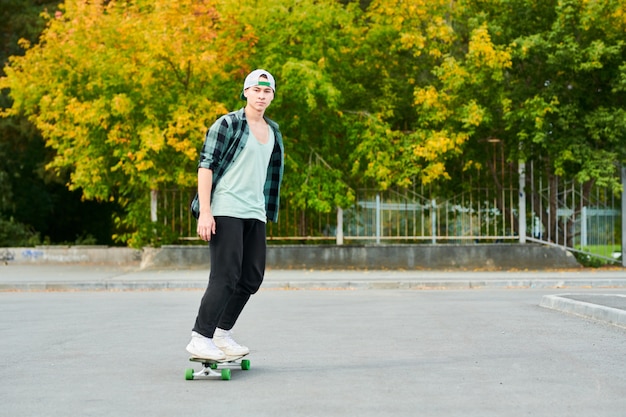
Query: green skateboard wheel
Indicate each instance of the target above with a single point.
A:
(226, 374)
(245, 364)
(189, 374)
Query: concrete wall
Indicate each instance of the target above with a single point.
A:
(72, 254)
(406, 257)
(479, 256)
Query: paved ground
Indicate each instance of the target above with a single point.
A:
(75, 341)
(94, 277)
(72, 277)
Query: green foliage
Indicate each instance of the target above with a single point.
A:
(123, 93)
(307, 46)
(21, 147)
(564, 78)
(382, 93)
(590, 261)
(16, 234)
(20, 19)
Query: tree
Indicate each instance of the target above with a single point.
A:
(123, 92)
(308, 45)
(381, 93)
(21, 146)
(549, 86)
(568, 87)
(403, 42)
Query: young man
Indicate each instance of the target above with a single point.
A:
(239, 177)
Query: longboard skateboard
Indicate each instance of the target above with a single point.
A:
(215, 368)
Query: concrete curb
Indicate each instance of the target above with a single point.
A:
(88, 277)
(157, 285)
(568, 303)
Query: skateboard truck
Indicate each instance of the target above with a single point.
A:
(215, 368)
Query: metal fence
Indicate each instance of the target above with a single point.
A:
(579, 217)
(394, 216)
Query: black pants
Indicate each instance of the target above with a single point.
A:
(238, 250)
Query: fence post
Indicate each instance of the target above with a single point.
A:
(153, 205)
(521, 169)
(583, 228)
(433, 221)
(377, 218)
(623, 215)
(339, 226)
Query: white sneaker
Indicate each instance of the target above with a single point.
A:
(223, 339)
(203, 347)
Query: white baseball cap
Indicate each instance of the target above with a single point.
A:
(254, 79)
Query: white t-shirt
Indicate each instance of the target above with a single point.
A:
(239, 193)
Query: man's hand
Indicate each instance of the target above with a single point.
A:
(206, 222)
(206, 226)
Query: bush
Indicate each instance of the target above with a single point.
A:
(13, 233)
(590, 261)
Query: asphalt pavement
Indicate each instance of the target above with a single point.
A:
(96, 340)
(72, 277)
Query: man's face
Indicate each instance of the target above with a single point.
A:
(259, 96)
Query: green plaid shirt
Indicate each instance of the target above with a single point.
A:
(223, 143)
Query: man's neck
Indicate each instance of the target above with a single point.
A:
(252, 115)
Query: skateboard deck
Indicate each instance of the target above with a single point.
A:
(217, 368)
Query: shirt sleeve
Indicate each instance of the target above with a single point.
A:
(214, 144)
